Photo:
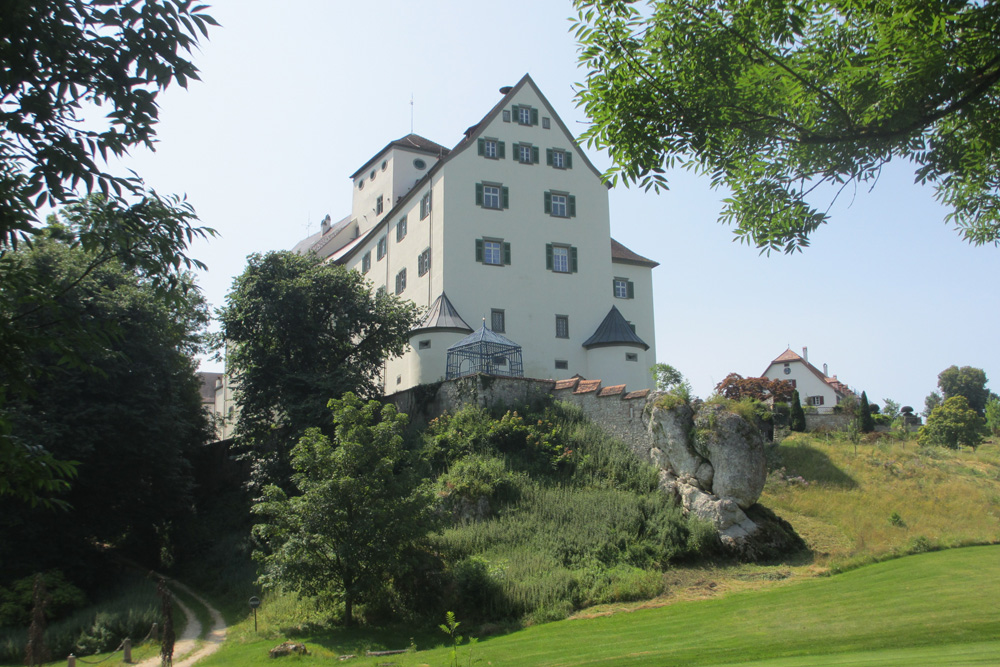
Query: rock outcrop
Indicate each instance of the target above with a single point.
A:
(713, 461)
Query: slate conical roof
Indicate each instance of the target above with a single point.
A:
(442, 316)
(484, 335)
(614, 330)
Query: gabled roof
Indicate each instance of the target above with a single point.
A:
(788, 357)
(315, 242)
(622, 255)
(442, 316)
(484, 335)
(614, 330)
(411, 142)
(470, 138)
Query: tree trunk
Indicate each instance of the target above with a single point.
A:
(349, 610)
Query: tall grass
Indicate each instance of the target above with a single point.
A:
(128, 610)
(891, 497)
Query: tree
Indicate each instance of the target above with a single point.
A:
(993, 415)
(965, 381)
(775, 100)
(798, 415)
(737, 387)
(128, 411)
(357, 510)
(61, 58)
(932, 401)
(890, 409)
(297, 333)
(952, 424)
(666, 377)
(864, 416)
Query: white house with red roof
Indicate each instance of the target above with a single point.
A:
(510, 231)
(816, 388)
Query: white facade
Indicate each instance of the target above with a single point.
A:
(513, 226)
(815, 388)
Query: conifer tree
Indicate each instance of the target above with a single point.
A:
(865, 422)
(798, 415)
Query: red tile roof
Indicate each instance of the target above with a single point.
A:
(623, 255)
(587, 386)
(640, 393)
(612, 391)
(567, 384)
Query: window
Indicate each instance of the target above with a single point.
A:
(380, 291)
(631, 356)
(525, 115)
(498, 320)
(380, 249)
(624, 289)
(366, 262)
(506, 115)
(371, 176)
(424, 345)
(558, 158)
(562, 326)
(546, 123)
(815, 400)
(526, 153)
(560, 258)
(361, 183)
(379, 205)
(419, 164)
(492, 148)
(560, 205)
(401, 281)
(425, 206)
(385, 163)
(562, 364)
(401, 229)
(493, 252)
(793, 383)
(492, 196)
(424, 262)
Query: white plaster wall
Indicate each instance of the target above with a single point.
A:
(611, 362)
(806, 383)
(638, 310)
(530, 295)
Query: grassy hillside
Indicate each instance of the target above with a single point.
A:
(857, 504)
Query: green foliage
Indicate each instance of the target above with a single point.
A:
(993, 415)
(358, 512)
(952, 424)
(890, 408)
(864, 415)
(737, 387)
(297, 332)
(127, 406)
(932, 401)
(666, 377)
(775, 100)
(798, 416)
(17, 599)
(968, 382)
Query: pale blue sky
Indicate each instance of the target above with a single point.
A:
(297, 95)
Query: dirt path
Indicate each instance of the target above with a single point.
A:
(191, 647)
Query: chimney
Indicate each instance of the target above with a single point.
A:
(825, 372)
(805, 354)
(325, 225)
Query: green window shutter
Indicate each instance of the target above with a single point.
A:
(572, 259)
(534, 116)
(631, 289)
(482, 146)
(506, 196)
(548, 156)
(571, 205)
(500, 150)
(514, 147)
(506, 253)
(479, 194)
(614, 292)
(534, 154)
(548, 256)
(513, 112)
(479, 250)
(548, 202)
(568, 160)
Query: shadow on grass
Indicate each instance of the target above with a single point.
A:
(813, 466)
(358, 640)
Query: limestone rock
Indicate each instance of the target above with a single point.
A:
(288, 648)
(735, 450)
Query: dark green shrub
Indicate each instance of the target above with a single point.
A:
(952, 424)
(797, 421)
(864, 415)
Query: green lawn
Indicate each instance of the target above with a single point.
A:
(935, 608)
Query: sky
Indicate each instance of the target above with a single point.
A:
(295, 96)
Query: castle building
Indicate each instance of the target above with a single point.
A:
(505, 240)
